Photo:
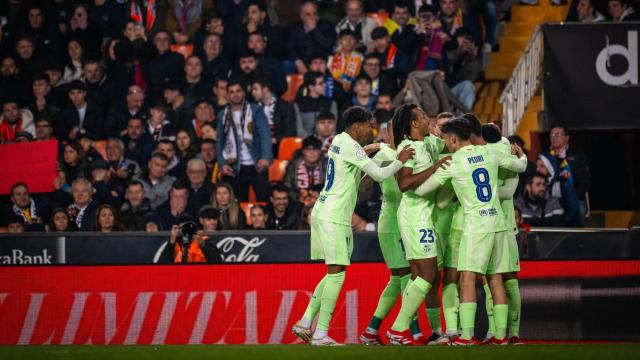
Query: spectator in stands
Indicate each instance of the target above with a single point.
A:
(208, 155)
(310, 35)
(147, 15)
(390, 59)
(385, 102)
(109, 189)
(42, 102)
(587, 12)
(258, 22)
(152, 222)
(208, 218)
(184, 18)
(155, 179)
(249, 68)
(307, 169)
(12, 84)
(81, 28)
(122, 167)
(431, 35)
(357, 22)
(362, 94)
(346, 63)
(27, 58)
(73, 69)
(231, 216)
(138, 144)
(82, 210)
(15, 224)
(450, 16)
(158, 126)
(214, 62)
(258, 215)
(185, 146)
(175, 168)
(318, 63)
(74, 164)
(108, 16)
(199, 248)
(199, 188)
(121, 111)
(80, 115)
(381, 81)
(176, 205)
(44, 128)
(58, 89)
(311, 195)
(198, 86)
(220, 94)
(41, 28)
(279, 113)
(539, 207)
(135, 207)
(131, 56)
(203, 113)
(560, 184)
(462, 67)
(60, 221)
(574, 162)
(13, 120)
(271, 67)
(35, 212)
(180, 107)
(307, 107)
(523, 231)
(100, 88)
(165, 65)
(325, 130)
(621, 10)
(243, 155)
(283, 212)
(107, 219)
(88, 147)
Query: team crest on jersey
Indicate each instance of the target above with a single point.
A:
(360, 154)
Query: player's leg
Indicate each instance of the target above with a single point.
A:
(468, 304)
(488, 304)
(433, 313)
(498, 261)
(332, 287)
(512, 290)
(450, 300)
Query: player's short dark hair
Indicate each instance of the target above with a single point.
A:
(491, 133)
(356, 114)
(459, 127)
(535, 175)
(325, 115)
(208, 212)
(402, 119)
(475, 126)
(279, 187)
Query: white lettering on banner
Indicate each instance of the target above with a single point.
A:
(166, 315)
(630, 53)
(139, 313)
(31, 318)
(18, 257)
(351, 298)
(204, 313)
(284, 312)
(251, 317)
(75, 314)
(245, 254)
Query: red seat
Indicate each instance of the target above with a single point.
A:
(185, 50)
(288, 146)
(293, 84)
(101, 147)
(277, 170)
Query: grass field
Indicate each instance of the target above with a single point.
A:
(263, 352)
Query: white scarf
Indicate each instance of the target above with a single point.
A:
(230, 151)
(32, 212)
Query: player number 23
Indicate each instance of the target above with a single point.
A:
(427, 236)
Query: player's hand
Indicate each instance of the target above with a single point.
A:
(444, 162)
(405, 154)
(227, 170)
(516, 150)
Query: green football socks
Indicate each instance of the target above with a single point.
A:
(433, 314)
(387, 299)
(413, 297)
(332, 286)
(314, 304)
(500, 314)
(512, 291)
(467, 319)
(450, 305)
(488, 303)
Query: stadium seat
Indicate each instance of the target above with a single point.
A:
(379, 17)
(246, 207)
(277, 170)
(288, 146)
(293, 84)
(101, 147)
(185, 50)
(3, 229)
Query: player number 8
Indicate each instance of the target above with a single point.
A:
(480, 178)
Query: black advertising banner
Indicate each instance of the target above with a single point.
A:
(591, 75)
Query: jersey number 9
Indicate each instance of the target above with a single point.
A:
(480, 178)
(330, 174)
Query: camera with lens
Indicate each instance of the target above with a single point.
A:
(187, 230)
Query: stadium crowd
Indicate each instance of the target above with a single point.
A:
(164, 108)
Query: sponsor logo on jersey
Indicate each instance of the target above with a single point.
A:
(488, 212)
(335, 149)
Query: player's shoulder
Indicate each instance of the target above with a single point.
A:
(405, 142)
(385, 153)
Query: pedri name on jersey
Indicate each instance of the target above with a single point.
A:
(475, 159)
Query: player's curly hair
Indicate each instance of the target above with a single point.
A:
(401, 121)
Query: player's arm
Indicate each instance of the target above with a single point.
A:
(409, 181)
(378, 173)
(517, 163)
(438, 179)
(506, 191)
(444, 197)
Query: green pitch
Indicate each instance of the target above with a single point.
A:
(263, 352)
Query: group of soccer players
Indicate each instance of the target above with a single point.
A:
(447, 214)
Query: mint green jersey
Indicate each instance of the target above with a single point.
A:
(344, 172)
(414, 209)
(504, 146)
(391, 195)
(443, 217)
(474, 175)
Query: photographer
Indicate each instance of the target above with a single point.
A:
(462, 67)
(185, 235)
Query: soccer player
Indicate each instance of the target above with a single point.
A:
(411, 127)
(474, 172)
(389, 239)
(331, 233)
(507, 184)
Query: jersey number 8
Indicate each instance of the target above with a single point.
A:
(330, 174)
(480, 178)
